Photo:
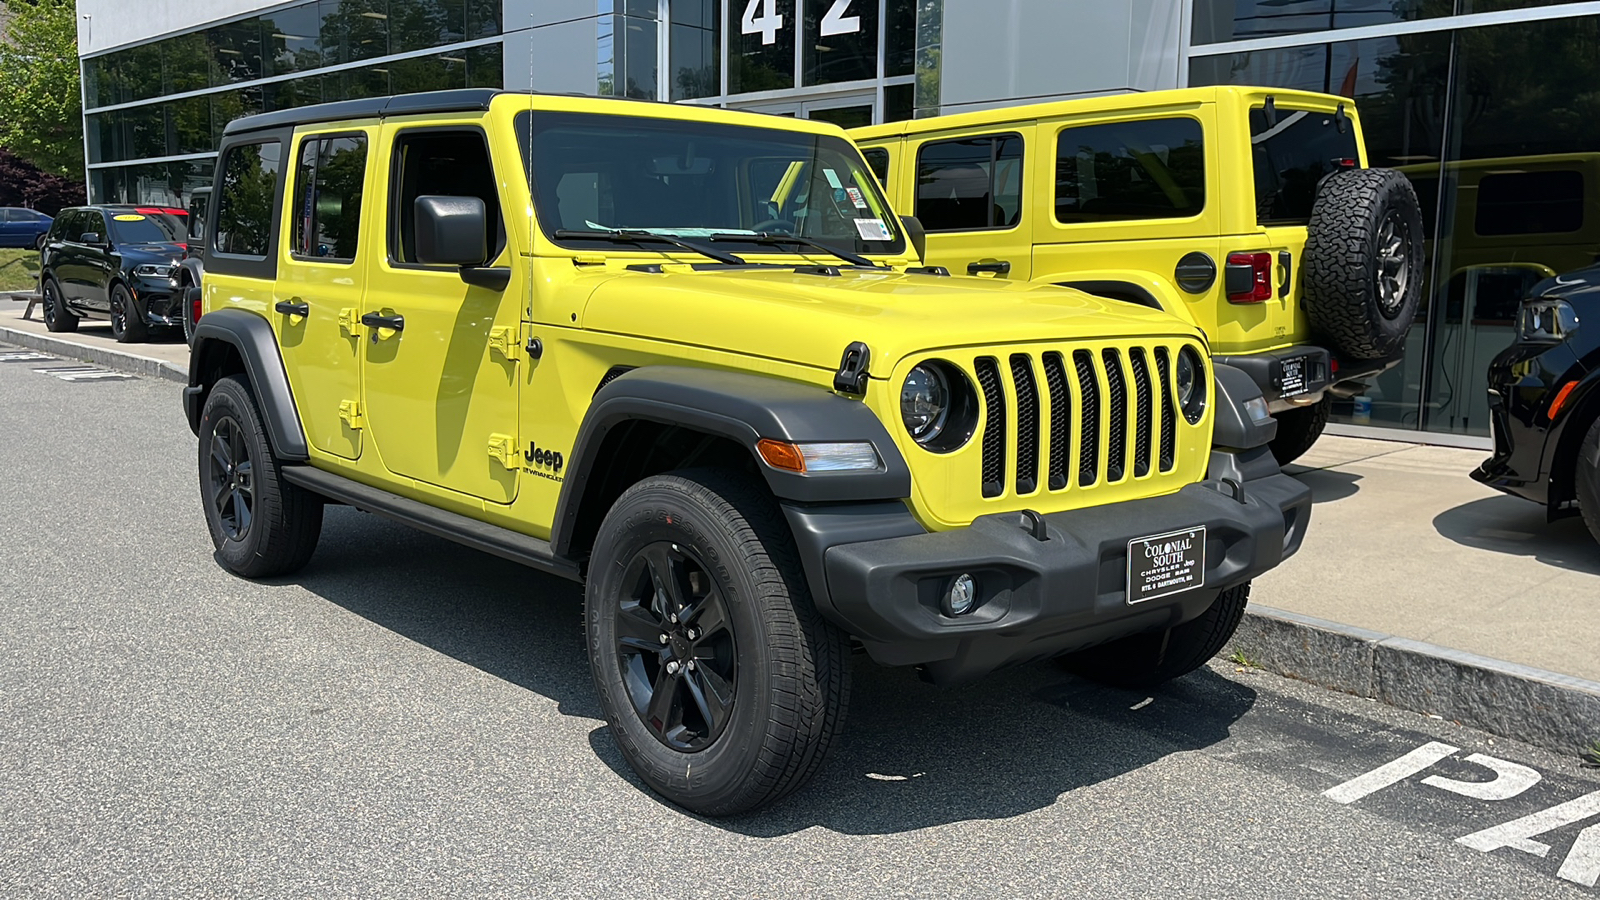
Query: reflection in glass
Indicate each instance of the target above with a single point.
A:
(1218, 21)
(237, 48)
(424, 24)
(246, 190)
(327, 197)
(841, 42)
(1151, 169)
(899, 38)
(293, 39)
(760, 45)
(970, 183)
(486, 66)
(694, 49)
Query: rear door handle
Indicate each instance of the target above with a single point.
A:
(293, 308)
(377, 320)
(999, 268)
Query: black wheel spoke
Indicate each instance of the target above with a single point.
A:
(667, 574)
(707, 616)
(711, 694)
(637, 628)
(241, 506)
(221, 452)
(664, 711)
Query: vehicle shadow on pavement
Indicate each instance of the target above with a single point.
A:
(1327, 485)
(912, 755)
(1515, 526)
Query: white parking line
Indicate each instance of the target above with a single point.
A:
(84, 373)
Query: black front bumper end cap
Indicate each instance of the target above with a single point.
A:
(1041, 598)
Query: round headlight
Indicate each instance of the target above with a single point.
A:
(925, 403)
(1191, 384)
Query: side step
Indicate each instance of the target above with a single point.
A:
(478, 535)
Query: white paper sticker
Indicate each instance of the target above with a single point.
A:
(833, 178)
(872, 230)
(856, 198)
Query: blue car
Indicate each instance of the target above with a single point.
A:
(20, 227)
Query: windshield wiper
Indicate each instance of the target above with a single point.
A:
(768, 237)
(637, 235)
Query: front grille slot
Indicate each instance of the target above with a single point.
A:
(1027, 423)
(1169, 411)
(1144, 411)
(994, 433)
(1088, 419)
(1055, 378)
(1117, 413)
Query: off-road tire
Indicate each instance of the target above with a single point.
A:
(1343, 286)
(127, 327)
(1139, 661)
(1298, 429)
(285, 519)
(791, 677)
(1586, 478)
(57, 317)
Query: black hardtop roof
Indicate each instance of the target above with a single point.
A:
(463, 100)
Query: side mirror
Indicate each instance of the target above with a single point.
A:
(917, 235)
(89, 237)
(450, 231)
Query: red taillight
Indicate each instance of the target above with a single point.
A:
(1249, 277)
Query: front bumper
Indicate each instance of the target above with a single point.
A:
(161, 299)
(1522, 379)
(1041, 598)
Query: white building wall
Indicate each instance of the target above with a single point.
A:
(104, 24)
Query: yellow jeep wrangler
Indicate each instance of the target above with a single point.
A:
(685, 357)
(1149, 198)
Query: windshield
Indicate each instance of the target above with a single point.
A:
(138, 228)
(695, 179)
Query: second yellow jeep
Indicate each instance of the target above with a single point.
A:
(1247, 211)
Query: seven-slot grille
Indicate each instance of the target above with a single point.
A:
(1110, 414)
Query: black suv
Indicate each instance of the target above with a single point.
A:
(114, 262)
(1544, 401)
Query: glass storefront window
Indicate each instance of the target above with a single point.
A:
(760, 45)
(186, 63)
(424, 24)
(1219, 21)
(694, 48)
(899, 38)
(486, 66)
(237, 46)
(293, 39)
(841, 41)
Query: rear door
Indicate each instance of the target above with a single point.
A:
(968, 194)
(317, 306)
(98, 263)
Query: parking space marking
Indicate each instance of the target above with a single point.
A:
(1389, 773)
(84, 373)
(23, 356)
(1510, 780)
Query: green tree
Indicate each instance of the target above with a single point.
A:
(41, 110)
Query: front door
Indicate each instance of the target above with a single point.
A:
(317, 303)
(440, 370)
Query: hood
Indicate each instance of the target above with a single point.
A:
(782, 314)
(151, 253)
(1580, 287)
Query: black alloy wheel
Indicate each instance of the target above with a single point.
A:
(231, 479)
(676, 647)
(127, 324)
(56, 316)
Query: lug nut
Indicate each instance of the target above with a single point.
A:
(672, 667)
(693, 634)
(673, 618)
(665, 639)
(690, 664)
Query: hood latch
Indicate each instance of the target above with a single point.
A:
(852, 375)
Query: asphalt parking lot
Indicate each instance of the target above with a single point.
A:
(410, 718)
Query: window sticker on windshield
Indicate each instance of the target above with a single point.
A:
(872, 230)
(128, 217)
(856, 198)
(833, 178)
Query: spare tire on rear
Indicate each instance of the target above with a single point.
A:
(1363, 262)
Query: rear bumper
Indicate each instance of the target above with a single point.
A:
(1040, 598)
(1267, 371)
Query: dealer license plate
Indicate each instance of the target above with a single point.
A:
(1165, 564)
(1294, 376)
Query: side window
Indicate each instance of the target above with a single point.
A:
(970, 184)
(878, 162)
(197, 219)
(66, 220)
(1151, 169)
(442, 163)
(246, 190)
(327, 204)
(13, 215)
(93, 220)
(1529, 203)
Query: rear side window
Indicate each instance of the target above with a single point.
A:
(65, 222)
(327, 205)
(1529, 203)
(246, 190)
(1150, 169)
(878, 161)
(1292, 157)
(970, 184)
(445, 163)
(93, 221)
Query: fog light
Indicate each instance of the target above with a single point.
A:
(961, 597)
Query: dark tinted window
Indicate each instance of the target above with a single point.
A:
(968, 184)
(327, 203)
(1530, 203)
(137, 228)
(197, 218)
(92, 221)
(1154, 169)
(245, 193)
(878, 162)
(840, 41)
(449, 164)
(1291, 158)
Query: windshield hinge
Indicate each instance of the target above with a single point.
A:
(589, 259)
(852, 375)
(1341, 120)
(832, 271)
(1270, 110)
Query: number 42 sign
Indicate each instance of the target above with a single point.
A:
(762, 17)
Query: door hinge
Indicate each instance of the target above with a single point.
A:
(350, 321)
(503, 449)
(350, 414)
(506, 341)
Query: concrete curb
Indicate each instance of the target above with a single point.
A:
(1558, 712)
(131, 363)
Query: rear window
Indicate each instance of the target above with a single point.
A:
(1291, 158)
(970, 184)
(1150, 169)
(1529, 203)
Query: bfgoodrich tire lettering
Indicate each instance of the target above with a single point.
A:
(788, 668)
(260, 524)
(1363, 262)
(1146, 660)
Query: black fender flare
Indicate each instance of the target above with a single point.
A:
(194, 270)
(250, 336)
(1126, 291)
(743, 408)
